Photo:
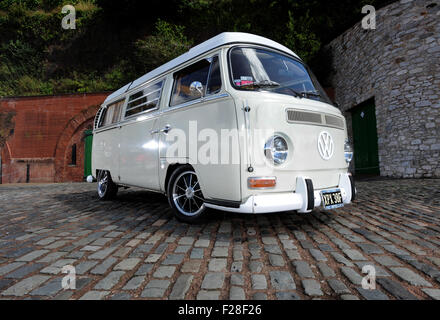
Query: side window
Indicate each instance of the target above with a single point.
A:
(215, 80)
(112, 113)
(183, 79)
(144, 100)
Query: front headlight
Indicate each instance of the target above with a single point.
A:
(348, 151)
(276, 150)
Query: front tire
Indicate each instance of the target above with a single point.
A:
(107, 189)
(185, 195)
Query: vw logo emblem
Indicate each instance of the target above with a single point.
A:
(325, 145)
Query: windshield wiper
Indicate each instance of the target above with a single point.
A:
(262, 84)
(273, 84)
(310, 93)
(296, 93)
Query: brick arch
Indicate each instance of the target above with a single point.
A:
(6, 171)
(71, 129)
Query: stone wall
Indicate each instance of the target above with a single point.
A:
(44, 128)
(398, 65)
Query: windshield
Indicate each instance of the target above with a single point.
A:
(255, 69)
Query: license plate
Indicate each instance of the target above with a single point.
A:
(332, 199)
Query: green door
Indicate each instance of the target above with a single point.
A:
(88, 153)
(366, 156)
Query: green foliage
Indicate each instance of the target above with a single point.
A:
(47, 5)
(116, 41)
(28, 4)
(27, 42)
(300, 37)
(19, 58)
(212, 17)
(166, 43)
(50, 4)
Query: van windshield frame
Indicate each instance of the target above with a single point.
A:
(264, 78)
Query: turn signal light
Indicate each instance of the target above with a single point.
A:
(255, 183)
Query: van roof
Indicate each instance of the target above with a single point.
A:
(217, 41)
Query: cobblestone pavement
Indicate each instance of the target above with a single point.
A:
(133, 248)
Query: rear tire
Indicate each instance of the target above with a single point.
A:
(185, 195)
(107, 189)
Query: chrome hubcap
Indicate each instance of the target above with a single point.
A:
(102, 183)
(187, 195)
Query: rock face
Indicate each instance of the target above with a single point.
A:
(397, 64)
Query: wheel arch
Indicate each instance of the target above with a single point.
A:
(97, 171)
(171, 168)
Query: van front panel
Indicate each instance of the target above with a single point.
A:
(269, 115)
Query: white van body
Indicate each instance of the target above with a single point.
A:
(312, 155)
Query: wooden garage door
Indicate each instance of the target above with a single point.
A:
(366, 156)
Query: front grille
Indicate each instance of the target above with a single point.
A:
(327, 120)
(333, 121)
(302, 116)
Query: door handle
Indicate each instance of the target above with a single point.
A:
(166, 129)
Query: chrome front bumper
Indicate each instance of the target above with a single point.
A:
(302, 200)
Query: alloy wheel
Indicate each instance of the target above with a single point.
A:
(187, 195)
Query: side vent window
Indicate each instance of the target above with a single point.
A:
(98, 114)
(215, 80)
(111, 114)
(145, 100)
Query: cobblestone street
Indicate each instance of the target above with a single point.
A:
(133, 248)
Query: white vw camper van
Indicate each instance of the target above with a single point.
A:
(238, 123)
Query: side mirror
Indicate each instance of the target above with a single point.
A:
(196, 86)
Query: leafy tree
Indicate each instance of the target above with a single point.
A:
(300, 37)
(166, 43)
(117, 41)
